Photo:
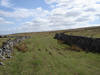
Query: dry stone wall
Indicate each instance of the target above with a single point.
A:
(6, 49)
(86, 43)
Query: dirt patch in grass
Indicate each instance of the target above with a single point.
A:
(76, 48)
(21, 47)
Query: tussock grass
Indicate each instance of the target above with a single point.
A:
(21, 47)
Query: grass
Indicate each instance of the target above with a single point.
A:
(45, 56)
(2, 40)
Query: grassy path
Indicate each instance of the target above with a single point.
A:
(47, 57)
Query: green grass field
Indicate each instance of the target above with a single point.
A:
(46, 56)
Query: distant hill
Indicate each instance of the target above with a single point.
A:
(88, 31)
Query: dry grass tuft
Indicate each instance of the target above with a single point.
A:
(21, 47)
(76, 48)
(60, 41)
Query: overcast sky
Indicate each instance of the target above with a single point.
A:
(43, 15)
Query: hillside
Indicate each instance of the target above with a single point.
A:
(47, 56)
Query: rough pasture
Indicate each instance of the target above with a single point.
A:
(45, 56)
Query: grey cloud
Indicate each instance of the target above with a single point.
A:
(82, 19)
(98, 15)
(90, 10)
(73, 14)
